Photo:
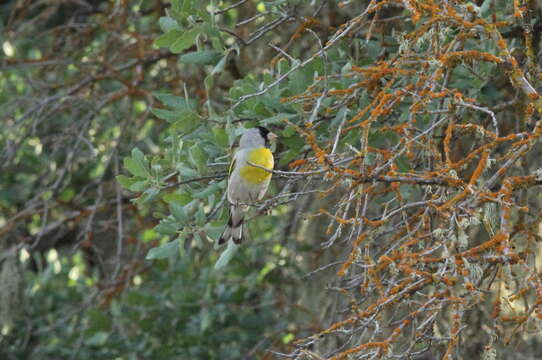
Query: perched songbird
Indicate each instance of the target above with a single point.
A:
(247, 184)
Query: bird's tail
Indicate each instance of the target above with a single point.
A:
(234, 228)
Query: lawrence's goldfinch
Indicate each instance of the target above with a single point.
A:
(247, 184)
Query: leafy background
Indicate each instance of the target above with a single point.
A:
(119, 122)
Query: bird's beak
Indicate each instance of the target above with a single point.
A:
(271, 136)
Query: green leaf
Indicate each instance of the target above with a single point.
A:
(168, 115)
(198, 157)
(175, 102)
(230, 131)
(125, 181)
(214, 35)
(300, 80)
(294, 142)
(205, 319)
(208, 191)
(163, 251)
(148, 195)
(209, 82)
(167, 24)
(139, 186)
(204, 57)
(214, 229)
(67, 194)
(289, 131)
(226, 255)
(178, 212)
(283, 66)
(303, 77)
(220, 66)
(98, 339)
(182, 198)
(141, 161)
(221, 138)
(200, 216)
(186, 40)
(186, 171)
(218, 43)
(166, 227)
(134, 167)
(188, 121)
(168, 38)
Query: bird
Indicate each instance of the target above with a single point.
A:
(247, 183)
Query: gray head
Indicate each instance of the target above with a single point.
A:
(256, 137)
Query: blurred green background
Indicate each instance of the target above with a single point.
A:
(118, 119)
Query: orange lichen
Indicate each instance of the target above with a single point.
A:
(297, 163)
(352, 256)
(417, 169)
(495, 240)
(383, 346)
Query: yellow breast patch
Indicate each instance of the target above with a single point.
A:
(262, 157)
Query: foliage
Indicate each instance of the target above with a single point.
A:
(176, 315)
(74, 104)
(407, 180)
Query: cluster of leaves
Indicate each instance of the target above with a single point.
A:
(409, 129)
(77, 102)
(418, 147)
(181, 309)
(196, 150)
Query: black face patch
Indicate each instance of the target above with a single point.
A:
(264, 132)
